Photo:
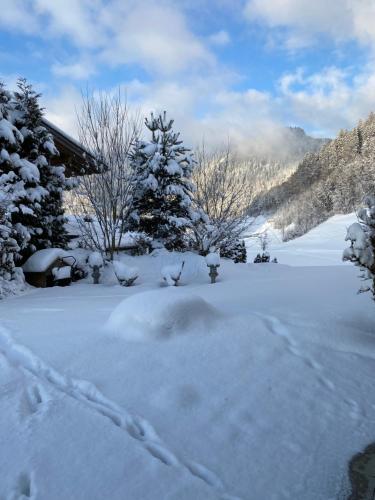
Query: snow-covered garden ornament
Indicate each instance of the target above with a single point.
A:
(96, 263)
(213, 262)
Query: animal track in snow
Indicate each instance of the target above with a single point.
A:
(277, 328)
(85, 392)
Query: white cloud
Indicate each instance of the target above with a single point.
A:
(220, 38)
(154, 35)
(307, 20)
(79, 70)
(328, 100)
(17, 15)
(61, 109)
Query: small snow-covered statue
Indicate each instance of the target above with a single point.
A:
(96, 263)
(213, 262)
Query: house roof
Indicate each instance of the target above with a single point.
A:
(77, 160)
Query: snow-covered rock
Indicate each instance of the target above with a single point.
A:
(160, 314)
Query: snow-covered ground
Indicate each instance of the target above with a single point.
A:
(258, 387)
(322, 246)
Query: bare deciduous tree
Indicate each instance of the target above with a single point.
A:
(223, 193)
(102, 201)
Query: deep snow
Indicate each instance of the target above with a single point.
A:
(269, 402)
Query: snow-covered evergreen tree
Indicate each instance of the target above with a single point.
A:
(11, 183)
(362, 249)
(234, 250)
(162, 204)
(11, 188)
(44, 182)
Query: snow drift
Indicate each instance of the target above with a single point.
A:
(160, 314)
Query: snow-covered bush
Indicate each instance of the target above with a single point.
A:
(362, 248)
(162, 203)
(234, 250)
(11, 278)
(171, 274)
(126, 275)
(13, 285)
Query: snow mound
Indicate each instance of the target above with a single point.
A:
(161, 314)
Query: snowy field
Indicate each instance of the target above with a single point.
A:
(322, 246)
(259, 387)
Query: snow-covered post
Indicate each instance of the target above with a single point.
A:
(213, 262)
(96, 263)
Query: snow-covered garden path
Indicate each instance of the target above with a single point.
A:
(268, 401)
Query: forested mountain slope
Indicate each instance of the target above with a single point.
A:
(330, 181)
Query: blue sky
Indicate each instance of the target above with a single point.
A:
(236, 69)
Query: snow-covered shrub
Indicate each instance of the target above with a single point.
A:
(126, 275)
(142, 242)
(11, 278)
(162, 203)
(13, 284)
(362, 248)
(171, 274)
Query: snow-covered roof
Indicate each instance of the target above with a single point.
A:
(41, 260)
(76, 158)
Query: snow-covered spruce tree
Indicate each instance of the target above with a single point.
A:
(162, 202)
(234, 250)
(11, 187)
(44, 182)
(362, 249)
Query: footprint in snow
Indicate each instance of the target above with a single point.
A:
(162, 454)
(36, 397)
(25, 488)
(327, 383)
